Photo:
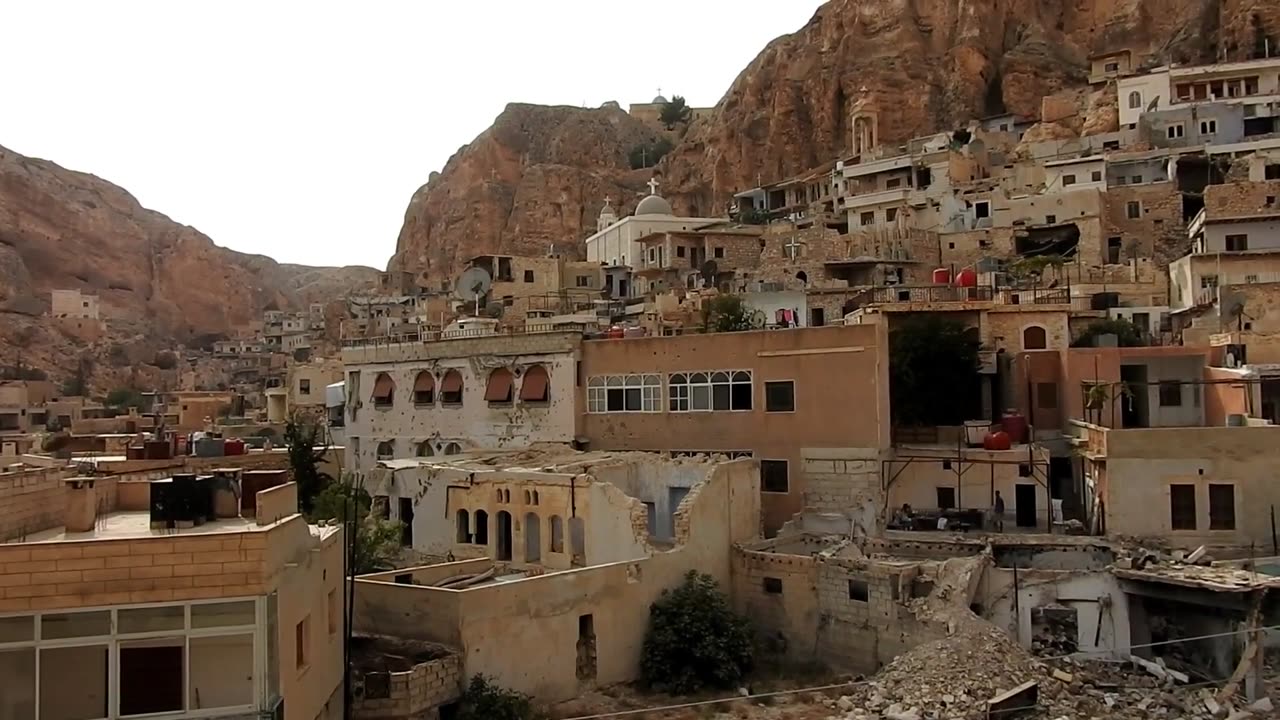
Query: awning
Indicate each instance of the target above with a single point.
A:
(534, 386)
(383, 387)
(424, 382)
(499, 389)
(452, 382)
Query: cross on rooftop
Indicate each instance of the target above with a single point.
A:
(793, 249)
(653, 186)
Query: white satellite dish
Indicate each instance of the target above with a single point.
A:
(473, 284)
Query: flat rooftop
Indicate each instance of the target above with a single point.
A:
(134, 524)
(546, 458)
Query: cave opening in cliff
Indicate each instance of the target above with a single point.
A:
(1060, 240)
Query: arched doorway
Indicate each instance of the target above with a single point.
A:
(504, 535)
(532, 538)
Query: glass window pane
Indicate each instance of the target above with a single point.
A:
(83, 669)
(221, 671)
(633, 399)
(17, 629)
(151, 676)
(720, 397)
(138, 620)
(701, 397)
(18, 684)
(222, 614)
(55, 626)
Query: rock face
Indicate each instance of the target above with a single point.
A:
(156, 279)
(537, 177)
(927, 65)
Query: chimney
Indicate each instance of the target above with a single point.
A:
(82, 504)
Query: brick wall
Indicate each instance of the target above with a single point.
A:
(862, 635)
(31, 500)
(1242, 198)
(415, 693)
(1158, 232)
(43, 576)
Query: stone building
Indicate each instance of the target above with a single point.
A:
(616, 242)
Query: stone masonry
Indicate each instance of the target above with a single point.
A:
(845, 482)
(414, 694)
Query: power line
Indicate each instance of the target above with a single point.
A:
(859, 683)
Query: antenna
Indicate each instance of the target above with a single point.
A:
(472, 284)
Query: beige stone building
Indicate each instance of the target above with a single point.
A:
(581, 544)
(238, 616)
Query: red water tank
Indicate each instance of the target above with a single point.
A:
(1015, 424)
(967, 277)
(233, 446)
(942, 276)
(616, 333)
(998, 440)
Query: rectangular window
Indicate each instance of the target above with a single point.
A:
(890, 214)
(707, 391)
(1111, 67)
(1250, 279)
(1222, 507)
(1170, 393)
(773, 586)
(1047, 395)
(1069, 179)
(1208, 127)
(304, 387)
(718, 252)
(780, 396)
(1182, 507)
(867, 218)
(1237, 243)
(1133, 209)
(584, 281)
(679, 251)
(624, 393)
(892, 183)
(302, 642)
(1050, 219)
(773, 476)
(1174, 131)
(1271, 172)
(1096, 176)
(1208, 281)
(946, 498)
(982, 209)
(858, 590)
(1136, 179)
(1113, 250)
(528, 276)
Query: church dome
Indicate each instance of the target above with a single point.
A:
(654, 205)
(659, 100)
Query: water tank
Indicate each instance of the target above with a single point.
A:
(233, 446)
(967, 277)
(998, 440)
(1237, 420)
(1104, 301)
(1015, 425)
(942, 276)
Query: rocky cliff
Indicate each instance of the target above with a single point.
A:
(538, 174)
(157, 279)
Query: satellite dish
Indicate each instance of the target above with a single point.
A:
(1155, 103)
(472, 285)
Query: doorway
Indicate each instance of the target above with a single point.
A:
(1024, 498)
(504, 535)
(532, 538)
(1132, 396)
(406, 522)
(586, 661)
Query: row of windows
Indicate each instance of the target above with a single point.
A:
(1222, 507)
(720, 390)
(535, 387)
(1070, 178)
(386, 449)
(474, 530)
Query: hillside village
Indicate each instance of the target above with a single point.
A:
(981, 424)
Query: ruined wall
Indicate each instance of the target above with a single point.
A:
(1100, 605)
(844, 483)
(414, 693)
(1242, 198)
(779, 593)
(865, 620)
(1158, 233)
(1006, 331)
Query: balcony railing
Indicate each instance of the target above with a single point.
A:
(436, 335)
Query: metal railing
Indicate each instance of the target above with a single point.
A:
(436, 335)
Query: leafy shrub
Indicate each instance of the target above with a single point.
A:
(484, 700)
(694, 639)
(728, 313)
(1127, 334)
(165, 360)
(646, 155)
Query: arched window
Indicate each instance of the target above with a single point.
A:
(528, 498)
(1034, 337)
(536, 385)
(504, 535)
(532, 538)
(386, 449)
(482, 528)
(424, 388)
(499, 388)
(535, 497)
(803, 277)
(384, 391)
(1135, 99)
(578, 540)
(451, 388)
(557, 534)
(425, 449)
(464, 526)
(452, 449)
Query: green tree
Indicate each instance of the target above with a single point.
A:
(1127, 334)
(647, 154)
(694, 639)
(307, 445)
(484, 700)
(933, 371)
(376, 541)
(122, 399)
(675, 112)
(78, 383)
(728, 313)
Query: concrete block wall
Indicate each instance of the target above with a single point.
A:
(32, 500)
(416, 693)
(859, 635)
(846, 482)
(785, 622)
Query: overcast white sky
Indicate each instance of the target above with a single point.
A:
(300, 129)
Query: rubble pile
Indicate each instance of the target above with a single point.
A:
(954, 678)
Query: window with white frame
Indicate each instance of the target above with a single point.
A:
(199, 659)
(712, 390)
(624, 393)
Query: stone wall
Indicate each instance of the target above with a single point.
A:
(1242, 198)
(845, 482)
(415, 694)
(33, 500)
(1158, 233)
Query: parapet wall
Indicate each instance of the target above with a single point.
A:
(415, 693)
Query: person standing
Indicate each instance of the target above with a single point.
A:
(998, 513)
